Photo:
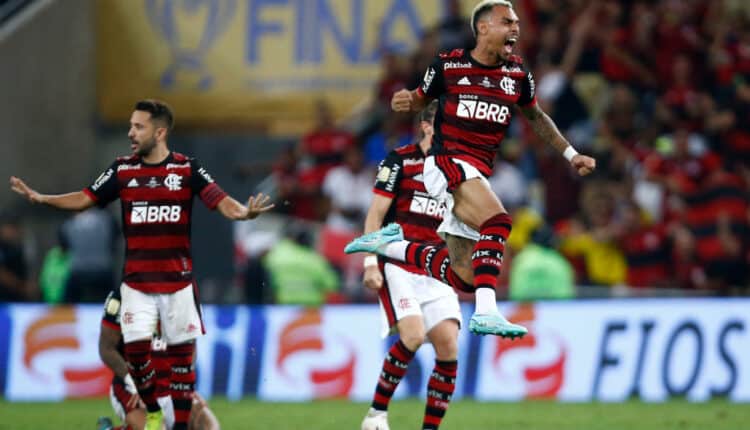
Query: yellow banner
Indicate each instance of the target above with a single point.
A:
(230, 62)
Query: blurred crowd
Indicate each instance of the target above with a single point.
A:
(658, 91)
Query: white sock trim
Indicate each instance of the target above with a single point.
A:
(486, 301)
(396, 250)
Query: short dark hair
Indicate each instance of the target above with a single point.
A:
(484, 7)
(159, 111)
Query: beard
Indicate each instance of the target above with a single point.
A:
(145, 148)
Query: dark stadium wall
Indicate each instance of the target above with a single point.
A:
(47, 82)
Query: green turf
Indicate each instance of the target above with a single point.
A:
(407, 414)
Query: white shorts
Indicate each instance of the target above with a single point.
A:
(178, 313)
(164, 402)
(408, 294)
(437, 185)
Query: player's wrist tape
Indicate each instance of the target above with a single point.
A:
(569, 153)
(130, 384)
(371, 260)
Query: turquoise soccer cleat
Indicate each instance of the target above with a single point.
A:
(495, 324)
(104, 423)
(374, 242)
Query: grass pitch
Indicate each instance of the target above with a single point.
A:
(407, 414)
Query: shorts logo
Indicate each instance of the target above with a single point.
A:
(155, 214)
(173, 182)
(482, 110)
(404, 304)
(127, 318)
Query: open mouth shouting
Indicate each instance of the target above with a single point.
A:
(510, 41)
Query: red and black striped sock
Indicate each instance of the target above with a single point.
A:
(138, 356)
(394, 368)
(182, 383)
(487, 258)
(439, 393)
(436, 262)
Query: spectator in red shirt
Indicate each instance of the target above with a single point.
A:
(323, 148)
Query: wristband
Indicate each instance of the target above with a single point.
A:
(569, 153)
(130, 384)
(371, 260)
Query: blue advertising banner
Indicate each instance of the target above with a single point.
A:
(604, 350)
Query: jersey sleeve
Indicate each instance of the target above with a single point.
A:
(433, 82)
(528, 91)
(204, 186)
(105, 188)
(390, 172)
(111, 315)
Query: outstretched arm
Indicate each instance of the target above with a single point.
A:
(76, 201)
(546, 129)
(235, 210)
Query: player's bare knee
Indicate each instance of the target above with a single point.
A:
(446, 350)
(413, 339)
(444, 338)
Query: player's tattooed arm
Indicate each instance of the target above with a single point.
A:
(546, 129)
(108, 340)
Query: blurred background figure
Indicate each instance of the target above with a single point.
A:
(298, 274)
(15, 285)
(539, 271)
(55, 272)
(91, 238)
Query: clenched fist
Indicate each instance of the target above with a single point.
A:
(583, 164)
(402, 101)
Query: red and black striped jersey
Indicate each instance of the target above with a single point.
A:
(475, 104)
(157, 202)
(111, 319)
(400, 178)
